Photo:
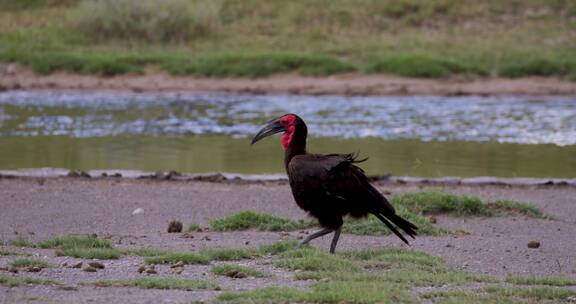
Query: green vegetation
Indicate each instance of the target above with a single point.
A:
(412, 206)
(252, 220)
(194, 228)
(219, 254)
(552, 281)
(513, 207)
(29, 263)
(503, 295)
(20, 242)
(257, 38)
(390, 275)
(157, 283)
(462, 205)
(175, 257)
(7, 253)
(145, 252)
(237, 271)
(20, 281)
(73, 241)
(82, 247)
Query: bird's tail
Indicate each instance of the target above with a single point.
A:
(406, 226)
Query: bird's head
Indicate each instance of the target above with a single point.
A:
(287, 123)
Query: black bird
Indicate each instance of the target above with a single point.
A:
(329, 186)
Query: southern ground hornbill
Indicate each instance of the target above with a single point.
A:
(329, 186)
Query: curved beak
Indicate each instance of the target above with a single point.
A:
(272, 127)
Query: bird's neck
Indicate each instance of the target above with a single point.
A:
(294, 143)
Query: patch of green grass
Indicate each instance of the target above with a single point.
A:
(145, 252)
(74, 241)
(311, 259)
(194, 228)
(175, 257)
(373, 226)
(502, 295)
(534, 280)
(82, 247)
(90, 253)
(21, 242)
(257, 65)
(157, 283)
(329, 292)
(8, 253)
(514, 207)
(29, 263)
(229, 254)
(420, 66)
(146, 20)
(441, 203)
(429, 202)
(231, 270)
(537, 67)
(252, 220)
(277, 247)
(20, 281)
(213, 254)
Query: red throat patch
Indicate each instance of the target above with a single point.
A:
(287, 137)
(287, 121)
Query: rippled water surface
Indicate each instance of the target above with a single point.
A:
(428, 136)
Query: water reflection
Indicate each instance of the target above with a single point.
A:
(526, 120)
(210, 153)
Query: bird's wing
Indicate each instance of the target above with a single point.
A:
(338, 177)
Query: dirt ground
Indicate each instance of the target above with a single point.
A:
(41, 208)
(13, 76)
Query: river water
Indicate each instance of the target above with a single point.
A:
(419, 136)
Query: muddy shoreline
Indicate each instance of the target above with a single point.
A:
(40, 208)
(14, 77)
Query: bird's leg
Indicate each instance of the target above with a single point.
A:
(335, 239)
(313, 236)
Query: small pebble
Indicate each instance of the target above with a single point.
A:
(151, 271)
(90, 269)
(175, 227)
(533, 244)
(433, 220)
(96, 265)
(178, 264)
(141, 269)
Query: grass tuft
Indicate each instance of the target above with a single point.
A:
(145, 20)
(229, 254)
(175, 257)
(21, 281)
(513, 207)
(75, 242)
(157, 283)
(234, 271)
(533, 280)
(257, 65)
(252, 220)
(311, 259)
(82, 247)
(419, 66)
(21, 242)
(8, 253)
(90, 253)
(429, 202)
(29, 263)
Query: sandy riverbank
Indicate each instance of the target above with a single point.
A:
(16, 77)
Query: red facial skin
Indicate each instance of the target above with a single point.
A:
(288, 123)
